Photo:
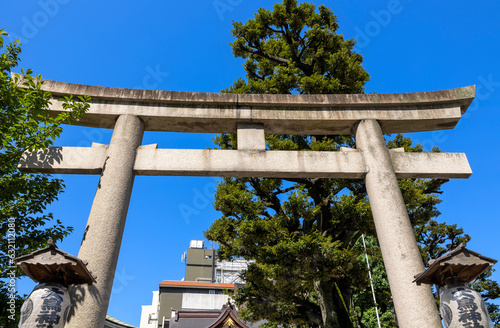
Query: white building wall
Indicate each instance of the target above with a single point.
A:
(192, 301)
(149, 314)
(228, 272)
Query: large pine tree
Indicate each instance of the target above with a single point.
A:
(303, 234)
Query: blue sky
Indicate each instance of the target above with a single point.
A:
(183, 46)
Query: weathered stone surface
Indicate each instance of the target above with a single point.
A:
(251, 136)
(138, 110)
(346, 164)
(103, 233)
(247, 163)
(430, 165)
(66, 160)
(281, 114)
(415, 305)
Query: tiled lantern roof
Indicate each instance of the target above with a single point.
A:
(460, 263)
(50, 264)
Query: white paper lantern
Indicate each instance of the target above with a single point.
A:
(461, 306)
(47, 306)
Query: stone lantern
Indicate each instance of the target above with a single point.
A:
(49, 302)
(460, 305)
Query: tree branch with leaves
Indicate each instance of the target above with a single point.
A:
(308, 269)
(27, 125)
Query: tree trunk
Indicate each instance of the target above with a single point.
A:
(333, 312)
(357, 322)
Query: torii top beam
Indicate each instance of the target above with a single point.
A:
(280, 114)
(130, 112)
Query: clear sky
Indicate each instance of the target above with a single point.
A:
(183, 46)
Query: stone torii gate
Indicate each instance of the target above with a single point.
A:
(130, 112)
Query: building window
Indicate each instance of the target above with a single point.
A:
(208, 257)
(211, 291)
(188, 291)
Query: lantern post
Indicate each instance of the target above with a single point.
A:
(460, 305)
(49, 303)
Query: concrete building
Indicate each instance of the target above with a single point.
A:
(178, 296)
(200, 262)
(149, 313)
(202, 265)
(202, 289)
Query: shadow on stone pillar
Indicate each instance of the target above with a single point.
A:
(49, 304)
(105, 226)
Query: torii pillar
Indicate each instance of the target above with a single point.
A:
(368, 117)
(394, 230)
(104, 231)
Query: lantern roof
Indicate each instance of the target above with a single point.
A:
(460, 263)
(50, 264)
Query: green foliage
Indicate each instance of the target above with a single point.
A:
(302, 235)
(489, 290)
(9, 319)
(295, 49)
(436, 239)
(363, 305)
(25, 125)
(300, 231)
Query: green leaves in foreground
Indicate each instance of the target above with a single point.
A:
(26, 125)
